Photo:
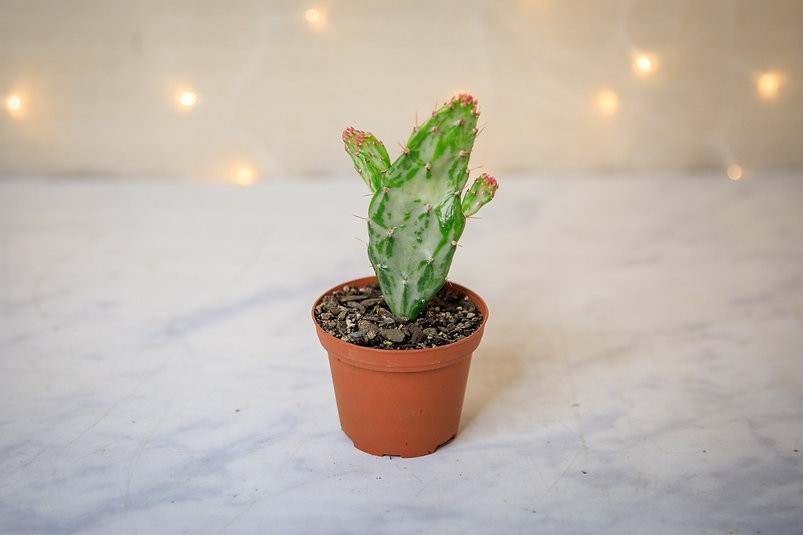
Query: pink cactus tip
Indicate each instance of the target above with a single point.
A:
(347, 133)
(489, 181)
(355, 136)
(465, 99)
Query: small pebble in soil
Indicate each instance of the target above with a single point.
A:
(360, 316)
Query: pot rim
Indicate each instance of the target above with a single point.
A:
(400, 359)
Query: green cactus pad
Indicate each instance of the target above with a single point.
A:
(368, 154)
(480, 193)
(417, 213)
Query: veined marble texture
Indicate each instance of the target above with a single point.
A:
(641, 371)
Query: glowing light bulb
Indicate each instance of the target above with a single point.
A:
(187, 99)
(607, 102)
(312, 15)
(14, 103)
(644, 64)
(768, 85)
(734, 171)
(245, 175)
(315, 18)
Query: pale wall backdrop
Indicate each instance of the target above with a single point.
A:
(92, 86)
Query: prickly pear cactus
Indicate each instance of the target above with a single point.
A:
(418, 210)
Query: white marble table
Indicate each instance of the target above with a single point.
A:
(642, 370)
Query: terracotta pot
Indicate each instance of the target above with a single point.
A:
(400, 402)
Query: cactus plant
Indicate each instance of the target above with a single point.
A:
(418, 209)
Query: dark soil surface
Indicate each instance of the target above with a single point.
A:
(360, 316)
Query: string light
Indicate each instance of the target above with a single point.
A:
(244, 175)
(312, 15)
(768, 85)
(187, 99)
(734, 171)
(607, 102)
(315, 18)
(644, 64)
(14, 104)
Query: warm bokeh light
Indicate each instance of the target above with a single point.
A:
(315, 18)
(14, 103)
(734, 172)
(312, 15)
(685, 102)
(607, 102)
(244, 175)
(644, 64)
(768, 85)
(14, 106)
(187, 99)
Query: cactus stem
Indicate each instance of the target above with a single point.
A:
(414, 231)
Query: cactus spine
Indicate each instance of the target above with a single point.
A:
(418, 210)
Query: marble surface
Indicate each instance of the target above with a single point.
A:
(642, 369)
